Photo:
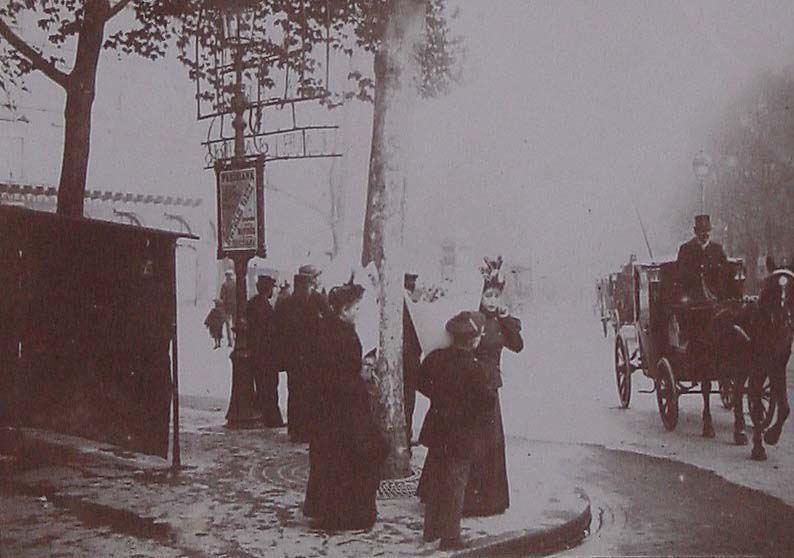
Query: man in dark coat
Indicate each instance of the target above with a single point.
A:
(459, 400)
(412, 353)
(702, 265)
(299, 318)
(260, 316)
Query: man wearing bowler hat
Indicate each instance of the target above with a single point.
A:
(702, 265)
(260, 316)
(299, 318)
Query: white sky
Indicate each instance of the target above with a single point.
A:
(569, 110)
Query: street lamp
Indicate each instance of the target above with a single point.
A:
(702, 167)
(242, 412)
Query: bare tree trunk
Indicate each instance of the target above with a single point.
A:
(396, 85)
(80, 93)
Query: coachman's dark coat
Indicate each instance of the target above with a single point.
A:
(694, 261)
(346, 454)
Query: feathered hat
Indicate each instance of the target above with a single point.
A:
(492, 274)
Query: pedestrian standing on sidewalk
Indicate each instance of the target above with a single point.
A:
(299, 323)
(412, 353)
(228, 296)
(260, 316)
(488, 492)
(460, 402)
(346, 449)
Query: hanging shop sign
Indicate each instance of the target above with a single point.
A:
(241, 208)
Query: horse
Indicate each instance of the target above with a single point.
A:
(754, 343)
(770, 328)
(731, 358)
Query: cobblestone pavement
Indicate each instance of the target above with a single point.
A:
(240, 495)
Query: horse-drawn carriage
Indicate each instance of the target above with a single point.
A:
(681, 345)
(615, 298)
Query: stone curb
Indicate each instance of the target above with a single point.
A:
(570, 531)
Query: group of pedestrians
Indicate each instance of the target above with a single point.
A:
(465, 471)
(312, 336)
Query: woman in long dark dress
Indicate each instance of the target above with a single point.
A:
(487, 492)
(346, 450)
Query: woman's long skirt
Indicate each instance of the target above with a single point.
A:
(487, 492)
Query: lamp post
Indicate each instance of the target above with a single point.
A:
(702, 167)
(242, 412)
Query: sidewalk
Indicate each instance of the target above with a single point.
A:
(241, 492)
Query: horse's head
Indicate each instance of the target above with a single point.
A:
(776, 298)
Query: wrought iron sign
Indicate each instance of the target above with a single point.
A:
(295, 142)
(254, 67)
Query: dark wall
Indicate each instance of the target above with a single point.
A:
(92, 306)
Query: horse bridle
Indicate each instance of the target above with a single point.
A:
(785, 280)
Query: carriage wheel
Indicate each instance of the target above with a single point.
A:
(767, 404)
(667, 394)
(622, 372)
(727, 393)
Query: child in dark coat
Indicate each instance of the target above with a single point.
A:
(214, 322)
(459, 397)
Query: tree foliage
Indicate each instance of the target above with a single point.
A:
(753, 175)
(62, 38)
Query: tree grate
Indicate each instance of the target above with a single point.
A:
(399, 488)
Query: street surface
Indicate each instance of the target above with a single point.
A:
(693, 496)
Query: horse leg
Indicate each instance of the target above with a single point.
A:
(739, 427)
(779, 394)
(758, 452)
(708, 426)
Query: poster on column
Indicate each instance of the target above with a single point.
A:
(240, 210)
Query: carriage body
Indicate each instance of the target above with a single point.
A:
(670, 339)
(617, 299)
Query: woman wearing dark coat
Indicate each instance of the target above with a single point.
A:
(488, 492)
(346, 453)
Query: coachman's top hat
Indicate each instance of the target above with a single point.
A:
(702, 223)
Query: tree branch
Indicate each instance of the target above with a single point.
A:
(114, 10)
(34, 56)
